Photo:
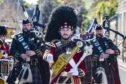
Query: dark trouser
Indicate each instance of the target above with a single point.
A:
(14, 73)
(44, 71)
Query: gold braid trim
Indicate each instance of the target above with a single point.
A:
(62, 62)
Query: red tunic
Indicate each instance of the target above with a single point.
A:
(68, 67)
(4, 49)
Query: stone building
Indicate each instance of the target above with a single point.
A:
(11, 15)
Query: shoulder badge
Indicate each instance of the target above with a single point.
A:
(79, 44)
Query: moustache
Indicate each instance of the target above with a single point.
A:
(65, 34)
(99, 35)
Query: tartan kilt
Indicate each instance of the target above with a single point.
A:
(87, 79)
(109, 70)
(36, 76)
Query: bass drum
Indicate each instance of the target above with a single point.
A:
(5, 66)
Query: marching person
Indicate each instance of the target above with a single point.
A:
(4, 47)
(105, 67)
(61, 28)
(4, 51)
(23, 49)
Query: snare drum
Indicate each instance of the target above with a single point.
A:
(6, 66)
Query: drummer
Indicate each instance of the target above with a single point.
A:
(4, 48)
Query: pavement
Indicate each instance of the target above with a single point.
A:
(121, 64)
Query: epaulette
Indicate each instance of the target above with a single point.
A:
(50, 44)
(56, 43)
(53, 43)
(15, 36)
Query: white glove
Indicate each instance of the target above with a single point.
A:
(74, 71)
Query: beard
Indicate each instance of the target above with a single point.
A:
(26, 31)
(99, 35)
